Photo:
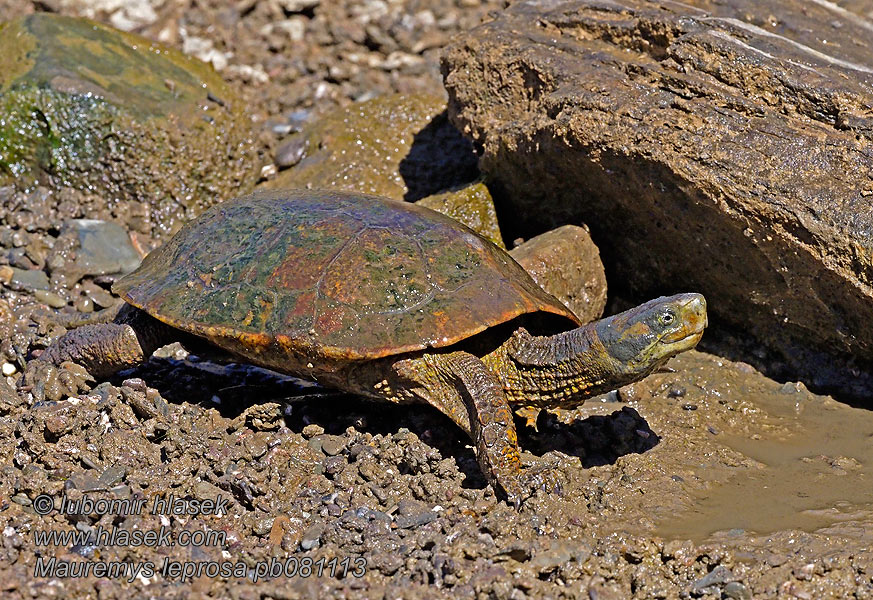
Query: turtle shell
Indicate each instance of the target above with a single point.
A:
(330, 274)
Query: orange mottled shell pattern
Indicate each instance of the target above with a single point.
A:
(330, 274)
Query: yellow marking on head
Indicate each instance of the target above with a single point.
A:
(637, 329)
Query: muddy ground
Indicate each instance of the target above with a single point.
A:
(709, 481)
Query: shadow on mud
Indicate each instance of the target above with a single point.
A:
(232, 388)
(597, 440)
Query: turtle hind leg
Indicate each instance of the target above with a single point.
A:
(462, 387)
(100, 350)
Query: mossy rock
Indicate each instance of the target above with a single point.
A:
(470, 204)
(399, 146)
(88, 107)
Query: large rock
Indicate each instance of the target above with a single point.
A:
(87, 107)
(399, 146)
(566, 263)
(718, 147)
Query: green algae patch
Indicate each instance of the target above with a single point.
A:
(85, 106)
(472, 205)
(399, 146)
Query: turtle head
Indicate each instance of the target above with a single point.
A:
(643, 338)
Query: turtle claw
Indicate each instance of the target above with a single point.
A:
(525, 486)
(544, 478)
(48, 381)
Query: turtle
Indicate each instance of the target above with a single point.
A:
(377, 297)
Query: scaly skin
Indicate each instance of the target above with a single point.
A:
(476, 392)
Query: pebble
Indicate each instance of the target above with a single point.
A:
(291, 152)
(296, 6)
(737, 591)
(104, 247)
(717, 576)
(281, 128)
(135, 383)
(98, 295)
(415, 520)
(113, 474)
(268, 171)
(311, 538)
(332, 444)
(298, 118)
(558, 554)
(8, 369)
(312, 430)
(30, 279)
(21, 499)
(49, 298)
(6, 274)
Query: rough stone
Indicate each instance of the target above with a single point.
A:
(472, 205)
(102, 248)
(566, 263)
(29, 279)
(716, 147)
(88, 107)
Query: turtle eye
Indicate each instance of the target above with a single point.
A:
(666, 318)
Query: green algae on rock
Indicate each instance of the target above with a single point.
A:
(87, 107)
(400, 146)
(470, 204)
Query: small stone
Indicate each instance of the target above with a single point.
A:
(98, 295)
(29, 279)
(718, 576)
(689, 407)
(776, 560)
(296, 6)
(332, 444)
(21, 499)
(315, 444)
(57, 425)
(112, 475)
(104, 247)
(737, 591)
(291, 152)
(294, 28)
(415, 520)
(312, 537)
(49, 298)
(135, 383)
(791, 387)
(6, 274)
(268, 171)
(8, 369)
(676, 392)
(312, 430)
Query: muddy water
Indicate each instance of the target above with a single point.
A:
(814, 470)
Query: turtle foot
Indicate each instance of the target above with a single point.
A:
(48, 381)
(525, 486)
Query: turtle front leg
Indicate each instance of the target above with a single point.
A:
(462, 387)
(76, 358)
